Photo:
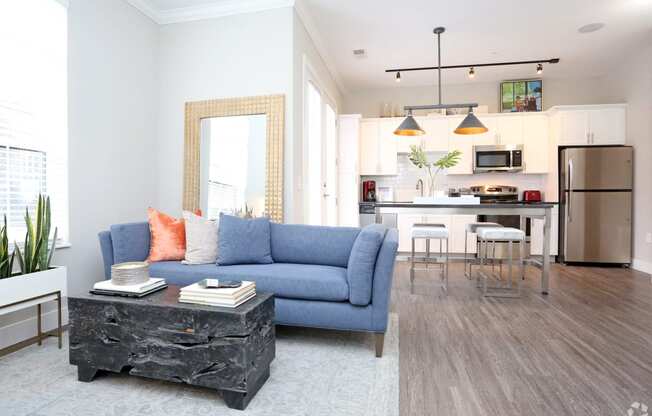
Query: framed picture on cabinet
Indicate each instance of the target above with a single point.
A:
(521, 95)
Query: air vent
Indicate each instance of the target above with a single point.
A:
(359, 53)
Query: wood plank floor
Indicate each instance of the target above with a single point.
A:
(585, 349)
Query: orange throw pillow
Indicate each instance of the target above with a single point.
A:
(167, 236)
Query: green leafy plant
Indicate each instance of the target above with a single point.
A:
(37, 256)
(419, 159)
(6, 260)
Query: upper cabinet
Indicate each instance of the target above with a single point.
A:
(436, 137)
(378, 147)
(510, 129)
(536, 147)
(590, 125)
(462, 142)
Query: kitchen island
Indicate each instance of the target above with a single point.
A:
(539, 210)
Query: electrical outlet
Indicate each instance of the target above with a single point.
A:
(648, 238)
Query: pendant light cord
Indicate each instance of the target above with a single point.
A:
(439, 65)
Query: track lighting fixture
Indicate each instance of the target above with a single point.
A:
(539, 68)
(471, 73)
(398, 77)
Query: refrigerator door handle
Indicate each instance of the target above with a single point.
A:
(570, 190)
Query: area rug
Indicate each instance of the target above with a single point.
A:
(315, 372)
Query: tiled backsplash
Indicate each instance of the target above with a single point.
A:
(404, 184)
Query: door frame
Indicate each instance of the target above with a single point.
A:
(311, 75)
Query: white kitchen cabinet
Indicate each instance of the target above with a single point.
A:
(404, 223)
(463, 143)
(377, 148)
(403, 143)
(368, 157)
(607, 126)
(536, 144)
(536, 235)
(488, 138)
(510, 129)
(348, 191)
(348, 143)
(436, 137)
(590, 125)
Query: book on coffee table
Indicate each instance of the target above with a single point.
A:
(106, 287)
(224, 297)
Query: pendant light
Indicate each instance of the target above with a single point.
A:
(470, 124)
(409, 127)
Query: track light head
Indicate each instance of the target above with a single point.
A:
(398, 77)
(471, 73)
(539, 69)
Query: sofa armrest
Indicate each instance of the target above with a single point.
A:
(106, 246)
(382, 283)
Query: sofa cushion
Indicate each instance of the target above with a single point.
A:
(360, 270)
(243, 241)
(295, 281)
(130, 242)
(311, 244)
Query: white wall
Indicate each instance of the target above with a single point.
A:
(112, 91)
(555, 92)
(235, 56)
(305, 53)
(631, 82)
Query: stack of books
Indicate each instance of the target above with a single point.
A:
(224, 297)
(107, 287)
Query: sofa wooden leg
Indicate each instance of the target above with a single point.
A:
(380, 342)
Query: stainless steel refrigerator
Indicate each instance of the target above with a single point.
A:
(596, 204)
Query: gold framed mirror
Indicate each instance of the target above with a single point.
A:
(217, 132)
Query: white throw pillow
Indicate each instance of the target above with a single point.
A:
(201, 239)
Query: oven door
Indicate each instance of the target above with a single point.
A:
(492, 160)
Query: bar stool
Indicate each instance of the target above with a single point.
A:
(510, 236)
(430, 232)
(473, 228)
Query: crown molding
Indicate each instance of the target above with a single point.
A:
(207, 11)
(320, 44)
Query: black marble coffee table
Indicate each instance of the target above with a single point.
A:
(157, 337)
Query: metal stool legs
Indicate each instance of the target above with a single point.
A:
(505, 289)
(428, 259)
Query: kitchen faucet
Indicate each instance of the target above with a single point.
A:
(420, 186)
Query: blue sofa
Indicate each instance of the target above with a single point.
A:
(309, 276)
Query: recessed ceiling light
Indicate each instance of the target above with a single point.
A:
(591, 27)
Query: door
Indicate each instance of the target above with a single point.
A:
(574, 128)
(598, 227)
(607, 126)
(597, 168)
(329, 208)
(320, 157)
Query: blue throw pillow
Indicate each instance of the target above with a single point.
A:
(243, 241)
(362, 261)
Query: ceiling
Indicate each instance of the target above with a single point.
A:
(398, 34)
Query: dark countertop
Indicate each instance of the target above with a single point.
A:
(518, 204)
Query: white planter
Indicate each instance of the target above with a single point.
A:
(27, 286)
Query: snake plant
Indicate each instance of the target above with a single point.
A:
(37, 256)
(6, 260)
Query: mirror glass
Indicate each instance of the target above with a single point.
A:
(232, 172)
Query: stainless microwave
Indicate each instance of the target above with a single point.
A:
(499, 158)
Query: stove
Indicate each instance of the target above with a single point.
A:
(500, 194)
